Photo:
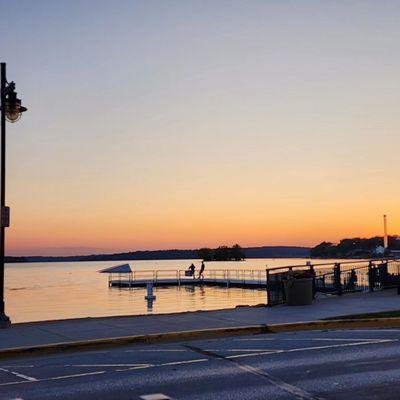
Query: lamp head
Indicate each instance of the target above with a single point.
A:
(13, 106)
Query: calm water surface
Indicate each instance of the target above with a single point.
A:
(48, 291)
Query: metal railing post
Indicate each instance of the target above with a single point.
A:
(371, 276)
(314, 284)
(268, 293)
(383, 274)
(337, 282)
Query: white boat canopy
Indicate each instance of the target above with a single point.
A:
(118, 269)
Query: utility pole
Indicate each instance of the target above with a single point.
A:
(11, 110)
(4, 320)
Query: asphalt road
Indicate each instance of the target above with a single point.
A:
(352, 364)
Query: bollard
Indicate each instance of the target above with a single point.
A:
(150, 295)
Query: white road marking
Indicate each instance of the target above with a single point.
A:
(13, 383)
(294, 390)
(73, 376)
(105, 365)
(26, 377)
(54, 378)
(183, 362)
(157, 350)
(155, 396)
(240, 350)
(196, 360)
(144, 366)
(266, 352)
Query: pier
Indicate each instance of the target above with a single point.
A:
(250, 279)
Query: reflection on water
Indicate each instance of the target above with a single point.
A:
(47, 291)
(150, 303)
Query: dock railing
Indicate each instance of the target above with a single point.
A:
(337, 278)
(220, 276)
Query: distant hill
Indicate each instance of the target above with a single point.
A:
(175, 254)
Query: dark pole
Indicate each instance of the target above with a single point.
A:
(4, 320)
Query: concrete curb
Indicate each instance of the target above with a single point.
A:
(198, 334)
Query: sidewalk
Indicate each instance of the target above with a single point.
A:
(50, 332)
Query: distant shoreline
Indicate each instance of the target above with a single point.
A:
(175, 254)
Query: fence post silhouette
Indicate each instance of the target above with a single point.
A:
(337, 279)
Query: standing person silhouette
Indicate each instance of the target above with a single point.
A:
(191, 269)
(201, 272)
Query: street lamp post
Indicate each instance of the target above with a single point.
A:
(11, 110)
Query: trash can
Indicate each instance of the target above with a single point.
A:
(298, 291)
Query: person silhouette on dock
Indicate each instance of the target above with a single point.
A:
(191, 269)
(352, 280)
(201, 272)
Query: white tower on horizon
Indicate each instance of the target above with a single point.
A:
(385, 234)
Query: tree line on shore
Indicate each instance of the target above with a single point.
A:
(222, 253)
(354, 247)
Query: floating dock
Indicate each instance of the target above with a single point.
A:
(249, 279)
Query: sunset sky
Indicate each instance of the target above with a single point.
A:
(181, 124)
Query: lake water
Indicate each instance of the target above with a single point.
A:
(49, 291)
